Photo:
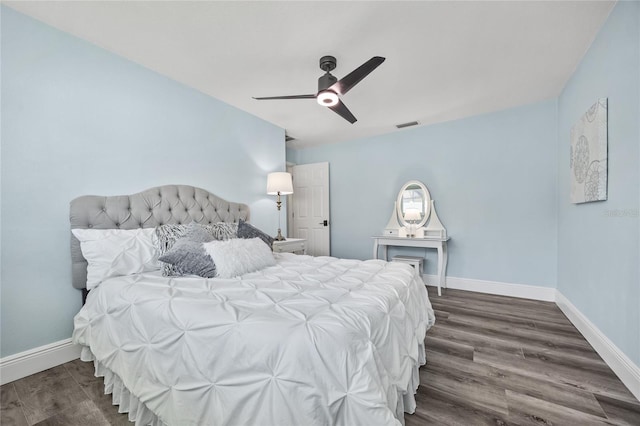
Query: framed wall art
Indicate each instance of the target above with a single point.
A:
(588, 155)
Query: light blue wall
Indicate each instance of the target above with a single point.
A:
(598, 253)
(493, 178)
(79, 120)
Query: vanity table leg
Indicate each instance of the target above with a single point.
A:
(444, 261)
(441, 256)
(385, 252)
(375, 249)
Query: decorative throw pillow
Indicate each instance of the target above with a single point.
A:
(189, 257)
(246, 230)
(167, 235)
(223, 231)
(115, 252)
(239, 256)
(197, 233)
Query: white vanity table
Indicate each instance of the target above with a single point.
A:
(437, 243)
(415, 223)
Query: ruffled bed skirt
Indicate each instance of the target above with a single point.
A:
(407, 401)
(125, 400)
(142, 416)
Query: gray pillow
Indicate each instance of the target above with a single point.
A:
(167, 235)
(197, 233)
(222, 230)
(246, 230)
(189, 257)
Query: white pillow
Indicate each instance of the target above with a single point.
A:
(115, 252)
(239, 256)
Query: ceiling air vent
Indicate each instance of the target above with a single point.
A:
(409, 124)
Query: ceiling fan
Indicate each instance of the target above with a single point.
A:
(330, 88)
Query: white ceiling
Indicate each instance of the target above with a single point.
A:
(445, 60)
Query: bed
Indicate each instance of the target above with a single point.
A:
(306, 341)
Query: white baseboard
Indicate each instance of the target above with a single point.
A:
(33, 361)
(523, 291)
(625, 369)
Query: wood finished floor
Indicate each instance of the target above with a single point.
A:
(494, 360)
(491, 360)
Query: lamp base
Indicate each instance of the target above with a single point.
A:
(279, 237)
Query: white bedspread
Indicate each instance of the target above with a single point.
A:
(310, 341)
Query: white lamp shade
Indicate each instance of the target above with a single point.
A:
(279, 182)
(412, 214)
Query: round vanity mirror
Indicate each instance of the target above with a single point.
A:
(414, 201)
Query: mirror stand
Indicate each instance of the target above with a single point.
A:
(412, 210)
(434, 229)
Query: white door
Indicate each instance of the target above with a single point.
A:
(311, 206)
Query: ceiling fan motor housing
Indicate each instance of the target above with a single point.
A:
(326, 81)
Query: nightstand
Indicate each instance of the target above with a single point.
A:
(291, 245)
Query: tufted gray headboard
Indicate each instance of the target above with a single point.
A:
(147, 209)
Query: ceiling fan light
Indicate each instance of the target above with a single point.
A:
(327, 98)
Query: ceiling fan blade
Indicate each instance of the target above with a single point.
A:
(342, 110)
(287, 97)
(347, 82)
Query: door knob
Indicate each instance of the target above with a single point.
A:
(325, 223)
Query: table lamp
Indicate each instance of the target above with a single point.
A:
(412, 216)
(279, 183)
